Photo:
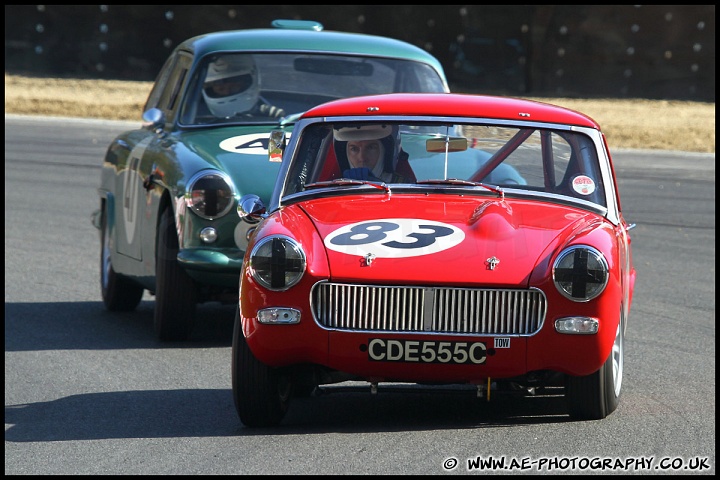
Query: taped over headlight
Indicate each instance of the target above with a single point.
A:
(210, 194)
(277, 262)
(580, 273)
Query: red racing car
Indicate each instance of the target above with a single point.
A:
(435, 239)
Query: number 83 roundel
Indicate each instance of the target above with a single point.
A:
(394, 238)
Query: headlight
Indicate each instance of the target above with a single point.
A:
(580, 273)
(210, 194)
(277, 262)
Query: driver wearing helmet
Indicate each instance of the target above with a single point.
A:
(232, 87)
(372, 152)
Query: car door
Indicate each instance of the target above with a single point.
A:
(137, 208)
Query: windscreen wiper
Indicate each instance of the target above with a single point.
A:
(338, 182)
(457, 181)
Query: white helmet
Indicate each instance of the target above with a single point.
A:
(232, 85)
(389, 136)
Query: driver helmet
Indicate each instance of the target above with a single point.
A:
(232, 85)
(389, 136)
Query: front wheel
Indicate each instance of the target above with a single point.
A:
(175, 292)
(261, 393)
(595, 396)
(119, 294)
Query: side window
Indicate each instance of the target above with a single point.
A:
(582, 178)
(310, 158)
(160, 83)
(170, 97)
(167, 90)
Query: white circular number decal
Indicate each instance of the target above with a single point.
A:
(394, 238)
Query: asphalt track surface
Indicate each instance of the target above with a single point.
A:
(93, 392)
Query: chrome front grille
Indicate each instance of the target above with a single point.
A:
(428, 309)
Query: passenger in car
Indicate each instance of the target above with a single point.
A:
(372, 152)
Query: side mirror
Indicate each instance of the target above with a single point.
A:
(276, 145)
(153, 119)
(250, 208)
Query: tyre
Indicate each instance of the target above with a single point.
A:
(261, 393)
(175, 291)
(596, 396)
(119, 294)
(303, 390)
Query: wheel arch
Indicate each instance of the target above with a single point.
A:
(165, 202)
(107, 210)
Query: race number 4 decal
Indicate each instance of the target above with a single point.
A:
(131, 190)
(251, 144)
(394, 238)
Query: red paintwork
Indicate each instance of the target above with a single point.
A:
(515, 231)
(525, 235)
(452, 105)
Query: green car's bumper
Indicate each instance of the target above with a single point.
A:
(216, 267)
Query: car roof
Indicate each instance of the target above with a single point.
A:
(299, 40)
(452, 105)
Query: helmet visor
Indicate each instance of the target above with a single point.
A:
(228, 86)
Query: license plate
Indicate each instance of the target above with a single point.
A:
(426, 351)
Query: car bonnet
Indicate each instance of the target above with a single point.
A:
(441, 239)
(235, 151)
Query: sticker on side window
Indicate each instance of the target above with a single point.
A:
(583, 185)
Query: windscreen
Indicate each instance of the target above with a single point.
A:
(262, 88)
(559, 162)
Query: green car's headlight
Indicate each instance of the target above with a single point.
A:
(580, 273)
(277, 262)
(210, 194)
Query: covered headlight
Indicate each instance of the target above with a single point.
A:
(210, 194)
(277, 262)
(580, 273)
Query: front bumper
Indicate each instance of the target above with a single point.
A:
(419, 357)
